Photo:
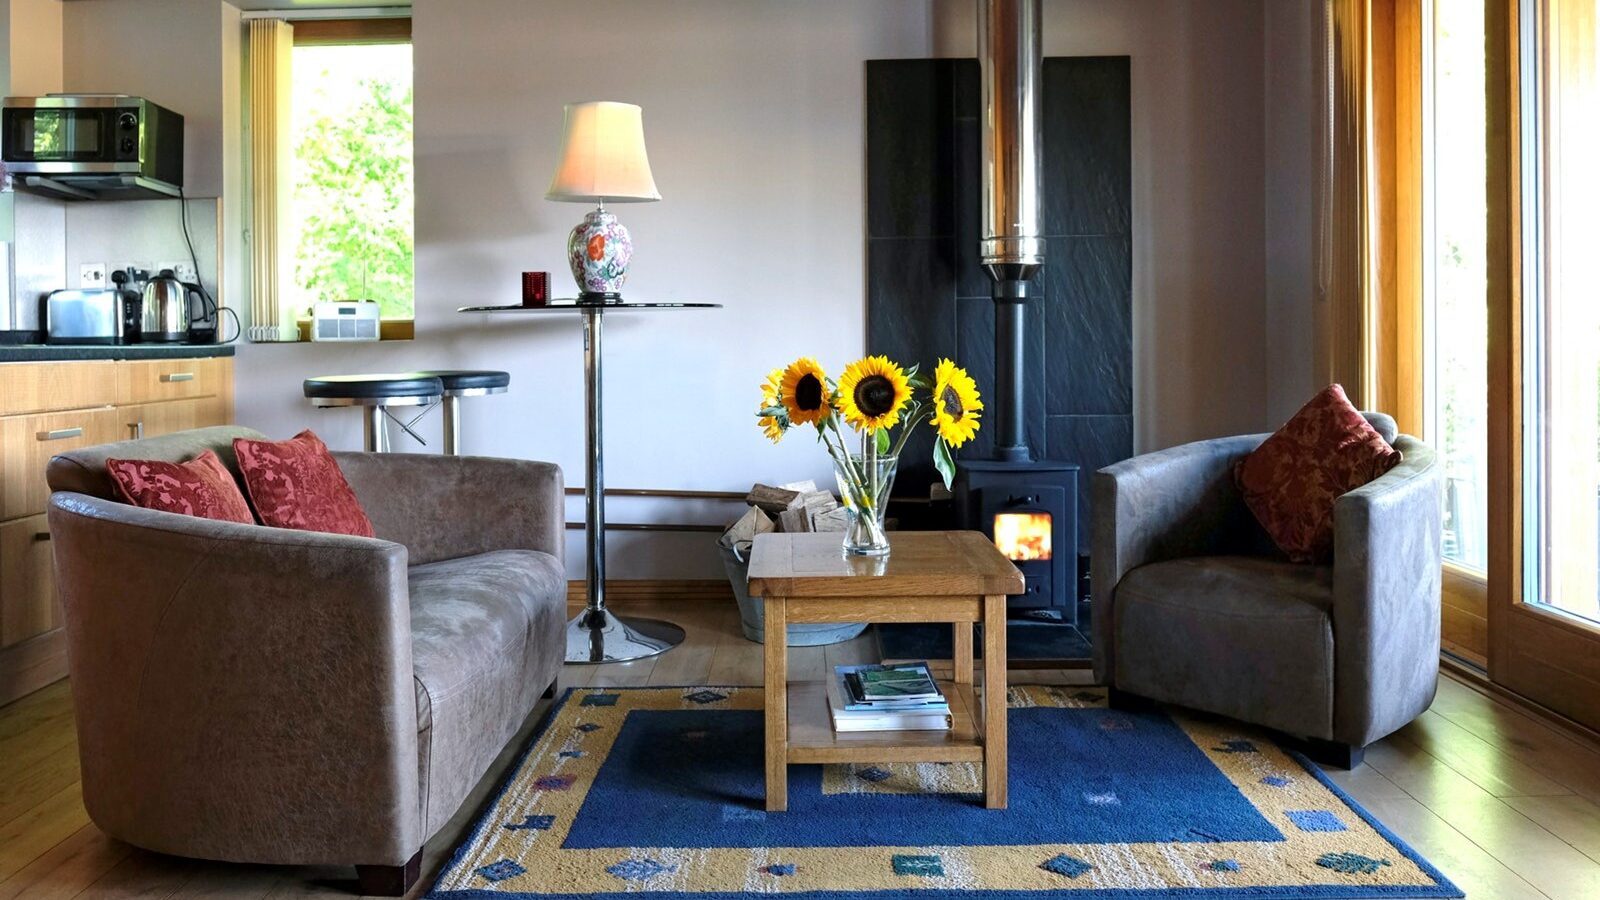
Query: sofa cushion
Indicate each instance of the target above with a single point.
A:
(83, 471)
(1293, 479)
(201, 487)
(487, 638)
(1244, 637)
(297, 484)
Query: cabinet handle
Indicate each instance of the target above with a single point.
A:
(136, 429)
(42, 536)
(177, 376)
(60, 434)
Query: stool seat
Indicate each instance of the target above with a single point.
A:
(406, 388)
(458, 381)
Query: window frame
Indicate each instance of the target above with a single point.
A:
(365, 30)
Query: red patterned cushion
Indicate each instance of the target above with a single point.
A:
(1291, 481)
(297, 484)
(202, 487)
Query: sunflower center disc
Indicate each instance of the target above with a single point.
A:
(875, 395)
(808, 393)
(952, 403)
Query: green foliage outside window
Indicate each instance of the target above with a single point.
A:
(353, 183)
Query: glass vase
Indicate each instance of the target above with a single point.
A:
(864, 485)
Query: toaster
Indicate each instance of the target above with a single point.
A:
(101, 316)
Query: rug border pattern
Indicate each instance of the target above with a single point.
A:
(1442, 887)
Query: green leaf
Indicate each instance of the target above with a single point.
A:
(883, 440)
(943, 462)
(921, 382)
(771, 411)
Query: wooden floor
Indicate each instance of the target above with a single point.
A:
(1504, 804)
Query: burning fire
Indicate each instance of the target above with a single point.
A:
(1023, 536)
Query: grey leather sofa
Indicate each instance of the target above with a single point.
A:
(254, 694)
(1192, 604)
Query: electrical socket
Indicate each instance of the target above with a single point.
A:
(92, 276)
(181, 268)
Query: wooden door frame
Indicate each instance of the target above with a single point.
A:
(1527, 642)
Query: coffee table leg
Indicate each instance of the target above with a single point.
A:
(994, 701)
(776, 674)
(963, 652)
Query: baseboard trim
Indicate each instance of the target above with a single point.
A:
(37, 662)
(654, 590)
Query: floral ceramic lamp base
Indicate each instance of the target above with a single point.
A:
(598, 251)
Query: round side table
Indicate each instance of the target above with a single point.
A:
(597, 635)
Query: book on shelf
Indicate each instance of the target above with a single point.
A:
(903, 681)
(857, 698)
(848, 716)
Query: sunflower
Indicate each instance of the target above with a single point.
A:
(772, 426)
(955, 403)
(804, 392)
(872, 393)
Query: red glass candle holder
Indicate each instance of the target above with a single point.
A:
(535, 288)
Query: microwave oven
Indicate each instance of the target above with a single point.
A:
(91, 140)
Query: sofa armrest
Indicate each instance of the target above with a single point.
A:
(447, 507)
(1165, 505)
(1387, 554)
(242, 693)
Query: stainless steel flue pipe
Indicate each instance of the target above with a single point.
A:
(1011, 58)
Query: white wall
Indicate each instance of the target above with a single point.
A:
(1291, 73)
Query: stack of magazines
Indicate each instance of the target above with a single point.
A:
(902, 697)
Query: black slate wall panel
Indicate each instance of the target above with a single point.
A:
(927, 294)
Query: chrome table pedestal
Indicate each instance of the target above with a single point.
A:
(597, 635)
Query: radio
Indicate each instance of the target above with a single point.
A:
(357, 321)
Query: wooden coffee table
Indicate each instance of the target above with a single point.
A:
(929, 576)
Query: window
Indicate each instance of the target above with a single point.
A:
(331, 185)
(1455, 316)
(352, 194)
(1560, 314)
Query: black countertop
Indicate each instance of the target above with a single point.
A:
(75, 352)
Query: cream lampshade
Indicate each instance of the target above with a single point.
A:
(602, 159)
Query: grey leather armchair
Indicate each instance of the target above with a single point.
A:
(262, 695)
(1193, 606)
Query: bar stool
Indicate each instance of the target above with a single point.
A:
(460, 383)
(375, 393)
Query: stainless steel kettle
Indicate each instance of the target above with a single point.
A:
(166, 308)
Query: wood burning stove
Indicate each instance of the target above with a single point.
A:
(1030, 510)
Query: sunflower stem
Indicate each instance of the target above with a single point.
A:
(844, 449)
(912, 421)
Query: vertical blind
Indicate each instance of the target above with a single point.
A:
(1344, 250)
(271, 279)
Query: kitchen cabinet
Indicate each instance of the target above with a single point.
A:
(52, 407)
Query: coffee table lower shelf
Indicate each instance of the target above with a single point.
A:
(811, 738)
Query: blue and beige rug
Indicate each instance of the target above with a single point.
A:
(659, 791)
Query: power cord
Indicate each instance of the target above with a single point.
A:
(210, 304)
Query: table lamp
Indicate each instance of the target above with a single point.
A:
(602, 159)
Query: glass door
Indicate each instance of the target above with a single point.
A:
(1455, 309)
(1545, 636)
